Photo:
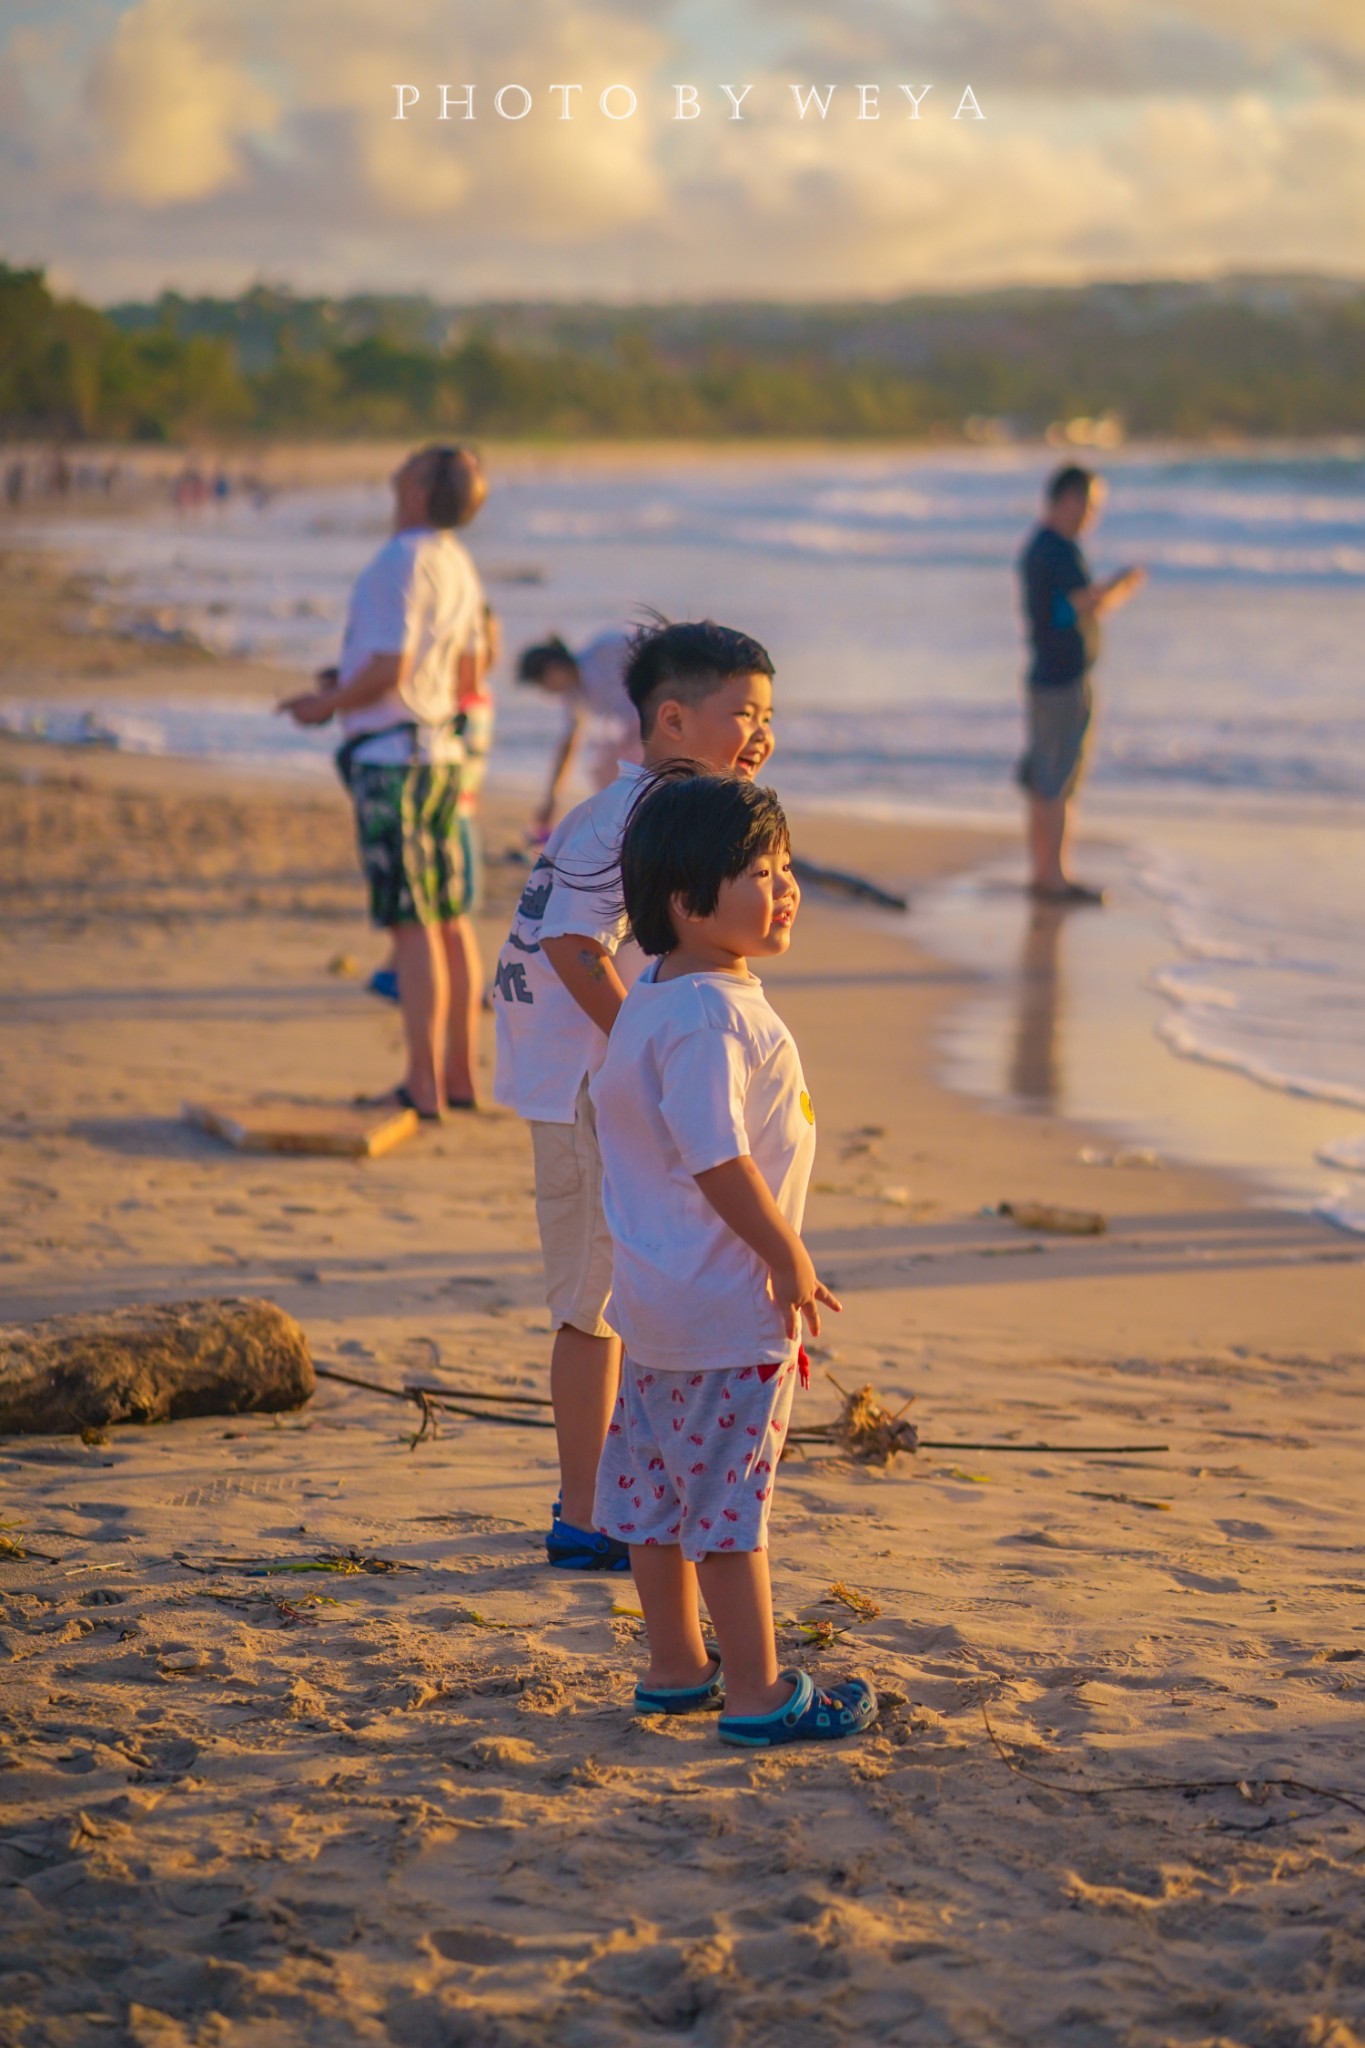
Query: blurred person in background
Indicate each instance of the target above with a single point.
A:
(591, 687)
(1063, 607)
(416, 649)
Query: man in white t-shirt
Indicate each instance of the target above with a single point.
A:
(416, 647)
(703, 694)
(591, 686)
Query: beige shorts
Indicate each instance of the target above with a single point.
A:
(574, 1238)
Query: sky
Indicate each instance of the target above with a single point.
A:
(204, 145)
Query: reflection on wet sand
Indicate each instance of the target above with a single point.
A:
(1034, 1079)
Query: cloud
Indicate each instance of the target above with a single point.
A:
(540, 179)
(206, 142)
(173, 104)
(1120, 48)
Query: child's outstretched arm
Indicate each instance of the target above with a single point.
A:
(740, 1196)
(588, 972)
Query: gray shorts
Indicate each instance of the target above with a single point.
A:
(1058, 723)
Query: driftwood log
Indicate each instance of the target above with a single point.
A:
(151, 1364)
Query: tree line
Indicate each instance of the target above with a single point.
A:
(1189, 361)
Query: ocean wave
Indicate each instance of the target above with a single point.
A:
(1347, 1153)
(1345, 1207)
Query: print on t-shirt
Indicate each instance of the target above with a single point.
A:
(511, 981)
(547, 1045)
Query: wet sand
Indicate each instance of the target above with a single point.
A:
(409, 1804)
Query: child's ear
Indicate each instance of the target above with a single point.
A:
(669, 719)
(680, 912)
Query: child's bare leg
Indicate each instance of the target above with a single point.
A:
(667, 1585)
(738, 1593)
(585, 1374)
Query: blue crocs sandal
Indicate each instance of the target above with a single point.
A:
(384, 983)
(584, 1550)
(810, 1715)
(706, 1698)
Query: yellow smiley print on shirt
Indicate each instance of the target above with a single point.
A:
(807, 1107)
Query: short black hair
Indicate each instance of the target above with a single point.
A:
(689, 660)
(1068, 480)
(690, 832)
(533, 661)
(453, 484)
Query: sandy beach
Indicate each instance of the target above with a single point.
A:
(407, 1803)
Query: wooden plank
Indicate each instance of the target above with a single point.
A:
(327, 1129)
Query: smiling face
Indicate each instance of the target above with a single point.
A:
(729, 731)
(753, 917)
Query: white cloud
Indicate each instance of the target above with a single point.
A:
(203, 142)
(172, 103)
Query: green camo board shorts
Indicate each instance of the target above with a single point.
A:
(417, 851)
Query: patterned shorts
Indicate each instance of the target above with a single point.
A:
(691, 1458)
(416, 846)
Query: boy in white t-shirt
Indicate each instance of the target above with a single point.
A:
(703, 693)
(708, 1137)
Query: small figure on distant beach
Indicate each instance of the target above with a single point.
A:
(591, 685)
(708, 1138)
(416, 650)
(1062, 610)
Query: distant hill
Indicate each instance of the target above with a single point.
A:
(1238, 355)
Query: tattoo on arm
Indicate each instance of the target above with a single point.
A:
(594, 964)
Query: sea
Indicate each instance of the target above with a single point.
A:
(1214, 1011)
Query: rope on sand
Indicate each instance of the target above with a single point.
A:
(430, 1401)
(873, 1434)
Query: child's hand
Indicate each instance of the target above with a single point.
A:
(799, 1292)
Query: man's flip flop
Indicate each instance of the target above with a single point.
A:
(706, 1698)
(1074, 893)
(397, 1098)
(812, 1714)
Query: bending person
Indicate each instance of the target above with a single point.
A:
(591, 685)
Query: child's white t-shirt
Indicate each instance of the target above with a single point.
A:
(546, 1043)
(698, 1071)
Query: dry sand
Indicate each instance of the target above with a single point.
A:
(410, 1806)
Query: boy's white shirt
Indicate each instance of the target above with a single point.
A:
(547, 1045)
(698, 1071)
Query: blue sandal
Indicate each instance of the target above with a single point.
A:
(706, 1698)
(810, 1715)
(584, 1550)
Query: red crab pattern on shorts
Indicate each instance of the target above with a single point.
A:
(691, 1458)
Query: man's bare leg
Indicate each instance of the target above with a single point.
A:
(585, 1377)
(464, 974)
(423, 997)
(1047, 843)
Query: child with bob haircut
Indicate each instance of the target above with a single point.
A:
(708, 1136)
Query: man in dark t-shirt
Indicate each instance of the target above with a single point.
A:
(1062, 611)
